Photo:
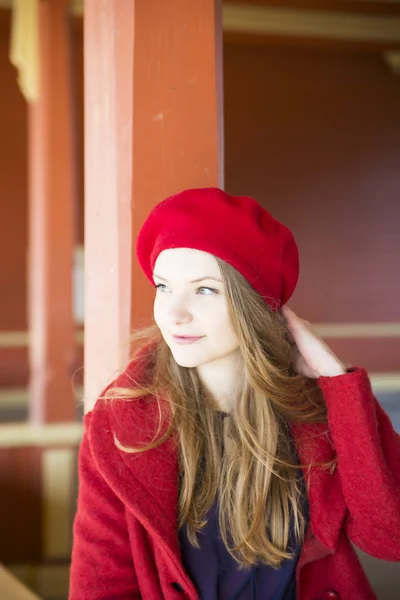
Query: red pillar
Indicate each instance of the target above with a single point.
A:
(178, 113)
(153, 126)
(108, 59)
(51, 222)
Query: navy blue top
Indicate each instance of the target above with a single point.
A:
(216, 574)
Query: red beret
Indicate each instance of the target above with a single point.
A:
(235, 228)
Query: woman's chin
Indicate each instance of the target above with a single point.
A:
(186, 362)
(186, 358)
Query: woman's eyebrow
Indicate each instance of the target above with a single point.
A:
(194, 280)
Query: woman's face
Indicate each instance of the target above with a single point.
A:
(191, 308)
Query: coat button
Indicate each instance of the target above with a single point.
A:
(331, 595)
(177, 586)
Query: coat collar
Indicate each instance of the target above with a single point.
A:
(147, 483)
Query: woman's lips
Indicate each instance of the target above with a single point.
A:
(183, 339)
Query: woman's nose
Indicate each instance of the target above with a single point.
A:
(179, 312)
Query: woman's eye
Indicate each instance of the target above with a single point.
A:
(161, 287)
(205, 291)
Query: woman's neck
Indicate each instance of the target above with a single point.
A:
(223, 380)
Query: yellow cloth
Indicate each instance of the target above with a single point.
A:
(24, 47)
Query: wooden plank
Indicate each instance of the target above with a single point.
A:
(12, 589)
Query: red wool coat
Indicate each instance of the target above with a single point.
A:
(126, 543)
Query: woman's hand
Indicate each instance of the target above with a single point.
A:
(311, 356)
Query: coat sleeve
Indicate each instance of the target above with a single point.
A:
(368, 461)
(102, 566)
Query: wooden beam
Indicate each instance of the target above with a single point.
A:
(368, 7)
(310, 24)
(178, 113)
(51, 222)
(108, 68)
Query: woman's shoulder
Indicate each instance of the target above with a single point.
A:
(116, 412)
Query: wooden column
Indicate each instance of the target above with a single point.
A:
(51, 222)
(153, 113)
(178, 113)
(108, 65)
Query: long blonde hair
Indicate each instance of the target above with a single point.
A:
(257, 481)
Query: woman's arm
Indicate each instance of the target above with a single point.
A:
(368, 448)
(368, 454)
(102, 566)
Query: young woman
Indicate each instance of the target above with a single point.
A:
(235, 458)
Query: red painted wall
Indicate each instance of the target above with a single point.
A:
(315, 136)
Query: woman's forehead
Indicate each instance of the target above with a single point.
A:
(186, 263)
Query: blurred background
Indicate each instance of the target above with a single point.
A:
(308, 110)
